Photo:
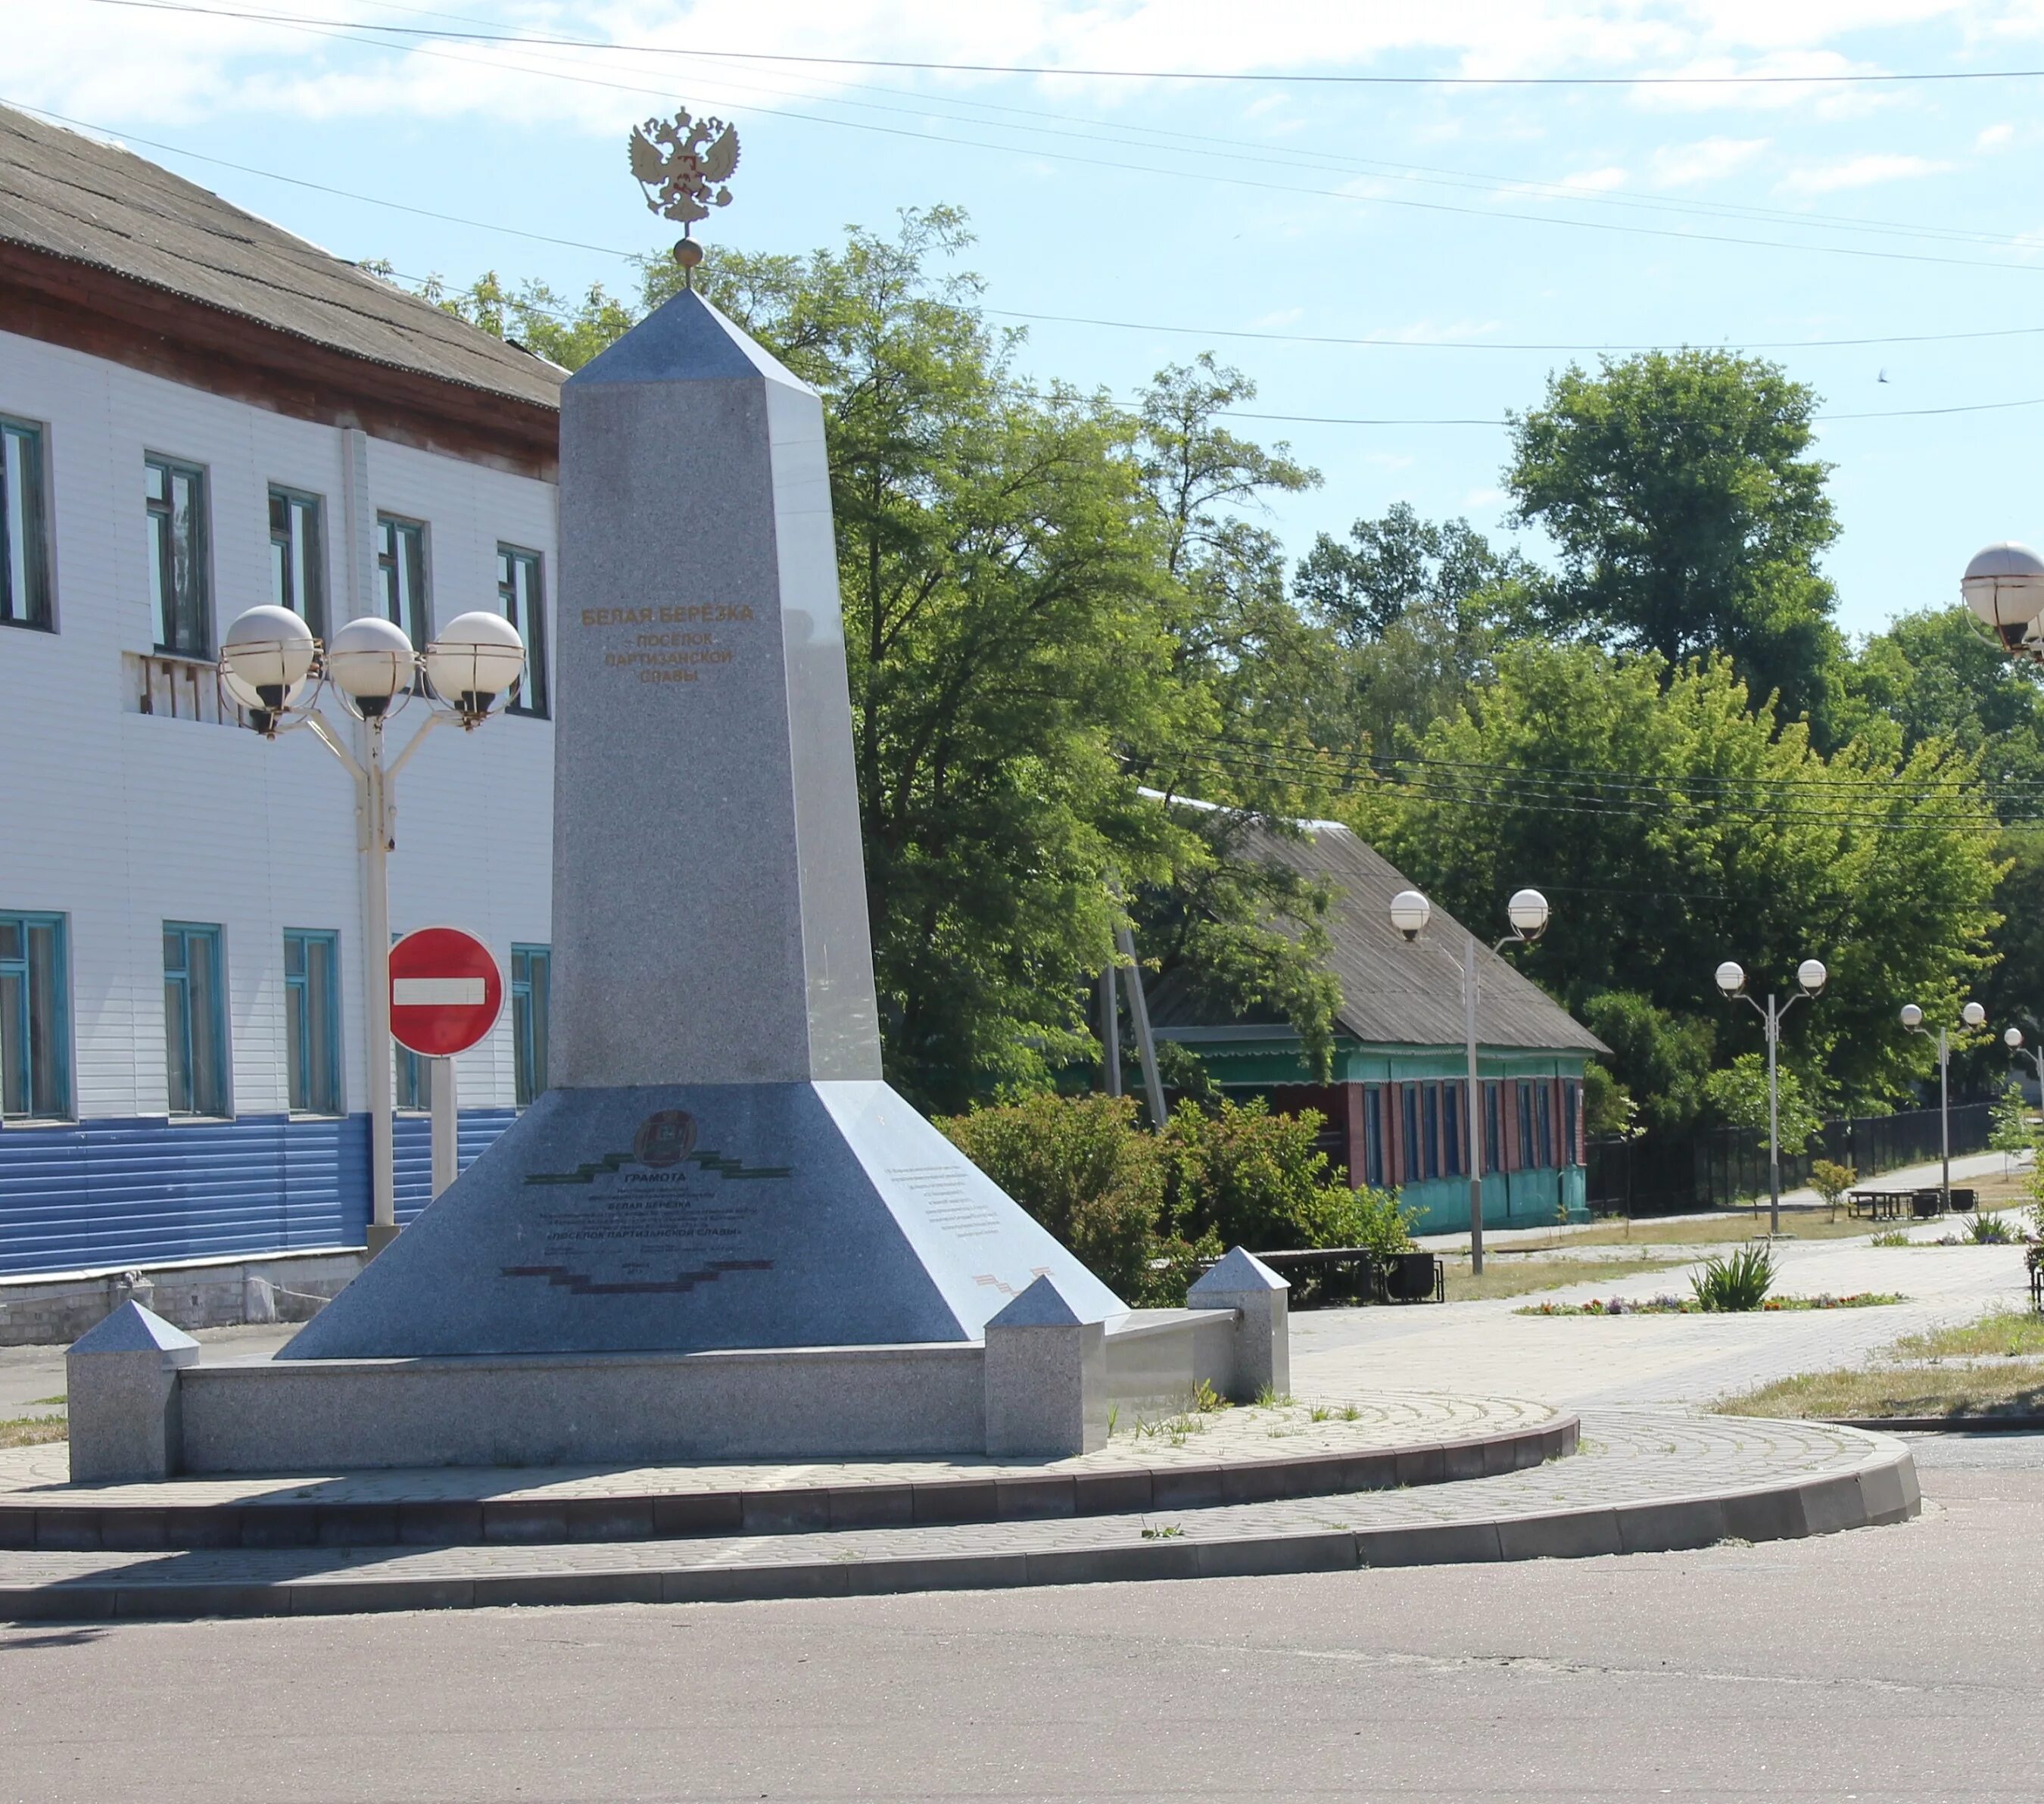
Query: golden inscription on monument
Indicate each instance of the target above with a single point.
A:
(676, 648)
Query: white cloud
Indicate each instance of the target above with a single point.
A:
(1708, 160)
(1596, 181)
(1869, 170)
(1993, 137)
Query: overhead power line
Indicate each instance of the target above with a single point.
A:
(1204, 175)
(1315, 78)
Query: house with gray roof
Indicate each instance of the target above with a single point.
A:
(1394, 1102)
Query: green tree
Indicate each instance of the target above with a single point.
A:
(1737, 1096)
(1420, 609)
(2011, 1133)
(1689, 514)
(1726, 836)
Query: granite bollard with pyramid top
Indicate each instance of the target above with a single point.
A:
(720, 1233)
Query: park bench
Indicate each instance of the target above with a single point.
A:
(1876, 1205)
(1323, 1277)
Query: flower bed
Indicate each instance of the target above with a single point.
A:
(1688, 1305)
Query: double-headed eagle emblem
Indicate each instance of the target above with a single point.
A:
(682, 164)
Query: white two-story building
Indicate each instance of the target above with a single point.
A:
(200, 412)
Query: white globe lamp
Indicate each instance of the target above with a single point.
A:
(2004, 586)
(371, 662)
(476, 658)
(1811, 975)
(1730, 977)
(265, 656)
(1972, 1015)
(1912, 1016)
(1527, 911)
(1410, 912)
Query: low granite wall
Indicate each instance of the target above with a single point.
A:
(528, 1409)
(55, 1309)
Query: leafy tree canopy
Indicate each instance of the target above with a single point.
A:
(1679, 491)
(1728, 836)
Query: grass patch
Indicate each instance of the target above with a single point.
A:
(33, 1430)
(1875, 1392)
(1519, 1277)
(1689, 1305)
(2011, 1333)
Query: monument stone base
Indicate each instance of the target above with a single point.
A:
(1039, 1382)
(702, 1217)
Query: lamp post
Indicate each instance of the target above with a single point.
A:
(1809, 976)
(1971, 1017)
(1528, 912)
(272, 667)
(2013, 1040)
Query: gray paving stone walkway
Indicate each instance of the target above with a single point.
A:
(1643, 1479)
(1367, 1421)
(1684, 1361)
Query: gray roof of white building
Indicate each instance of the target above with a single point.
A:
(76, 197)
(1392, 992)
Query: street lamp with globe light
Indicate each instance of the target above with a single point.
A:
(2013, 1040)
(273, 667)
(1528, 913)
(1811, 977)
(1972, 1017)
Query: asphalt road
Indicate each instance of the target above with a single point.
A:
(1890, 1663)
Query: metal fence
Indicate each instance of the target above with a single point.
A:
(1665, 1175)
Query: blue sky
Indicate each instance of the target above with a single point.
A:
(1446, 224)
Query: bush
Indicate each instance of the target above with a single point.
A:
(1831, 1182)
(1143, 1211)
(1739, 1282)
(1081, 1166)
(1251, 1178)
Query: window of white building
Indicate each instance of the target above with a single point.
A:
(401, 567)
(520, 595)
(25, 548)
(35, 1029)
(312, 1021)
(531, 967)
(178, 585)
(297, 558)
(194, 1019)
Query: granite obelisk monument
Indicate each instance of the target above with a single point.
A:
(719, 1163)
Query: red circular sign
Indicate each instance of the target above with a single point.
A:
(445, 991)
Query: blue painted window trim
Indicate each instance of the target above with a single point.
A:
(55, 1023)
(1543, 1116)
(297, 555)
(521, 593)
(25, 527)
(1529, 1146)
(531, 986)
(316, 1006)
(180, 555)
(192, 1024)
(404, 575)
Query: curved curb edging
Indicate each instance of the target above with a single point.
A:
(1883, 1489)
(77, 1524)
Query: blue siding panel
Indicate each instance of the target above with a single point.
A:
(143, 1191)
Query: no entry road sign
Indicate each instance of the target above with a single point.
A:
(445, 991)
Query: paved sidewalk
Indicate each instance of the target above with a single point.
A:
(1247, 1436)
(1684, 1361)
(1643, 1480)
